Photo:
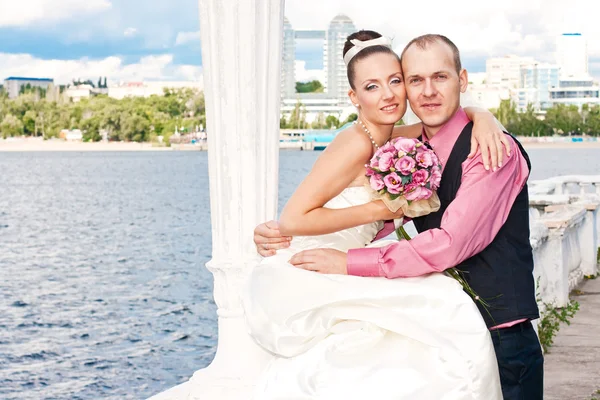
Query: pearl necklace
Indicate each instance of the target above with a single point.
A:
(368, 133)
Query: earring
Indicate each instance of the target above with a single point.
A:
(357, 105)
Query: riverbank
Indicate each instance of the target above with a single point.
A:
(23, 145)
(62, 145)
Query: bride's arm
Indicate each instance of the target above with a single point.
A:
(334, 170)
(488, 134)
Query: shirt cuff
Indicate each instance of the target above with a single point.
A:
(364, 262)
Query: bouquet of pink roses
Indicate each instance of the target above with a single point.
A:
(405, 173)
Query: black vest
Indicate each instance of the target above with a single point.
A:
(501, 274)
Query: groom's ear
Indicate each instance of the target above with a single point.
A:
(463, 79)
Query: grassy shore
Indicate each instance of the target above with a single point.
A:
(32, 144)
(62, 145)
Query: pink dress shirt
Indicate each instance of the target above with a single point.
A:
(469, 224)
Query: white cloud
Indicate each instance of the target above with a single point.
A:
(480, 28)
(158, 67)
(129, 32)
(27, 12)
(186, 37)
(305, 75)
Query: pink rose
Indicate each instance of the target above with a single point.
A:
(393, 183)
(374, 163)
(369, 171)
(405, 165)
(420, 177)
(376, 182)
(388, 148)
(425, 159)
(419, 193)
(436, 178)
(404, 144)
(386, 161)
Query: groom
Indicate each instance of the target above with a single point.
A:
(482, 227)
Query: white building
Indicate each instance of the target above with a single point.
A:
(337, 79)
(488, 96)
(572, 55)
(312, 105)
(147, 89)
(576, 91)
(78, 92)
(535, 82)
(505, 71)
(13, 84)
(288, 68)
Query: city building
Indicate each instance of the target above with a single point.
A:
(315, 105)
(288, 79)
(78, 92)
(535, 81)
(576, 91)
(13, 84)
(337, 79)
(336, 82)
(487, 96)
(147, 89)
(572, 55)
(504, 72)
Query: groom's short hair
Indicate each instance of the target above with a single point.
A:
(425, 40)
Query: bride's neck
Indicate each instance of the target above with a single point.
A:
(380, 133)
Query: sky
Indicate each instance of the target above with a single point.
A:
(132, 40)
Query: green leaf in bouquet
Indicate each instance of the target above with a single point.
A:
(406, 179)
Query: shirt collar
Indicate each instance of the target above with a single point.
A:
(443, 141)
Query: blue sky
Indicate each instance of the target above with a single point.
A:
(94, 30)
(159, 40)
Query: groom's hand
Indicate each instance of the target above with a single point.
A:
(324, 261)
(268, 239)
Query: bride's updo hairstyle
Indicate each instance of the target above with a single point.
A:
(363, 36)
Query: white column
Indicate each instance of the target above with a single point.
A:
(241, 60)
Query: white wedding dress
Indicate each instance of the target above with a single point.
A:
(346, 337)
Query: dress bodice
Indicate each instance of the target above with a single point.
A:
(350, 238)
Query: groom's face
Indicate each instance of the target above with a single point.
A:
(433, 85)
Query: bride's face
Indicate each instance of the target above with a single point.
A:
(379, 89)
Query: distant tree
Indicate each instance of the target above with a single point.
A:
(566, 119)
(319, 122)
(506, 114)
(11, 126)
(351, 118)
(529, 124)
(332, 122)
(29, 122)
(309, 87)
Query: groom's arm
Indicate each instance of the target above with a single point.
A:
(468, 226)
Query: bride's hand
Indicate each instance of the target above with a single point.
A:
(490, 138)
(268, 239)
(382, 213)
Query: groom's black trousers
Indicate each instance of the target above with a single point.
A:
(520, 362)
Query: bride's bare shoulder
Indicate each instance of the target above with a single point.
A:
(353, 141)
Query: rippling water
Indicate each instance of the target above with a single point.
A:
(103, 289)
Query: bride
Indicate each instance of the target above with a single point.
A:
(348, 337)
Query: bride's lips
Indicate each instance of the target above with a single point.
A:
(390, 108)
